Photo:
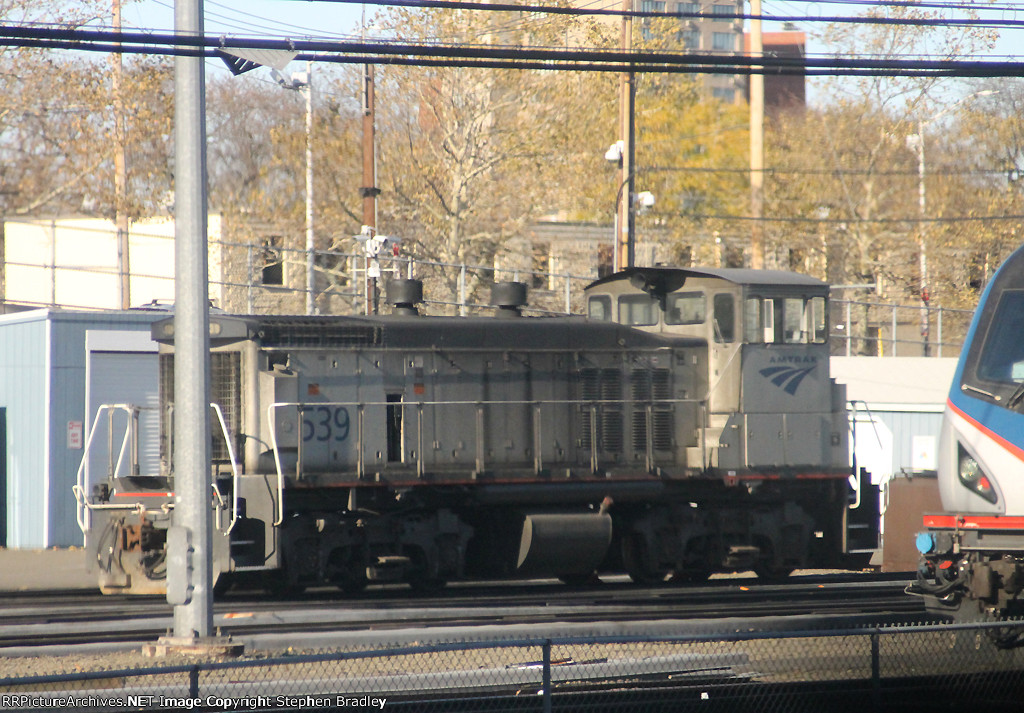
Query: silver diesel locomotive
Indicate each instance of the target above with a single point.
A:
(687, 425)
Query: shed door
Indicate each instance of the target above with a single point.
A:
(124, 378)
(3, 477)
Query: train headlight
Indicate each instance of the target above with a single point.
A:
(974, 478)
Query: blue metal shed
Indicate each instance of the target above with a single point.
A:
(43, 412)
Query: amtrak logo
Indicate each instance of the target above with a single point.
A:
(787, 378)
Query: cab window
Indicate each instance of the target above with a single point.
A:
(725, 318)
(794, 325)
(753, 326)
(638, 310)
(818, 319)
(600, 307)
(1002, 353)
(785, 320)
(685, 308)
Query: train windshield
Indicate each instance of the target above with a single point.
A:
(686, 308)
(785, 320)
(638, 310)
(1002, 354)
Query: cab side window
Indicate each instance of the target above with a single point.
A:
(600, 308)
(724, 318)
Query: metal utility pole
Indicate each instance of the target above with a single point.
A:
(625, 241)
(922, 206)
(190, 551)
(757, 255)
(310, 238)
(120, 169)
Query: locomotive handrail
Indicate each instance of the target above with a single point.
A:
(234, 469)
(271, 417)
(78, 489)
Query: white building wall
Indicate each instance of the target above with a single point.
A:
(73, 262)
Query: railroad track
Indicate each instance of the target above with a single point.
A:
(50, 620)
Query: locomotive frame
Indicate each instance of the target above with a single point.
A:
(689, 425)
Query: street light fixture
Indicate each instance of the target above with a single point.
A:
(916, 141)
(303, 82)
(644, 199)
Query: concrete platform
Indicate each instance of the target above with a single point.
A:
(35, 570)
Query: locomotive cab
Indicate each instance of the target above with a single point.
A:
(768, 358)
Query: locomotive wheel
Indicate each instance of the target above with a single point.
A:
(772, 573)
(427, 585)
(579, 580)
(346, 571)
(223, 584)
(352, 585)
(690, 576)
(276, 584)
(634, 561)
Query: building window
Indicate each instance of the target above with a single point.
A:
(652, 5)
(690, 8)
(541, 266)
(723, 9)
(271, 264)
(605, 261)
(725, 95)
(690, 39)
(723, 41)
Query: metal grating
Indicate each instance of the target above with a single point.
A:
(312, 332)
(225, 390)
(603, 387)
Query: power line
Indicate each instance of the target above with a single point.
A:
(495, 57)
(769, 171)
(541, 9)
(853, 219)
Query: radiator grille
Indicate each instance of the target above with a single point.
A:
(225, 391)
(653, 388)
(300, 332)
(603, 387)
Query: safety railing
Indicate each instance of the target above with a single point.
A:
(130, 444)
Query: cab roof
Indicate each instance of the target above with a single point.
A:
(673, 278)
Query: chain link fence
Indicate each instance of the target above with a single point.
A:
(916, 667)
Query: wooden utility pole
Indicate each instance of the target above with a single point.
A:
(120, 170)
(369, 190)
(757, 256)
